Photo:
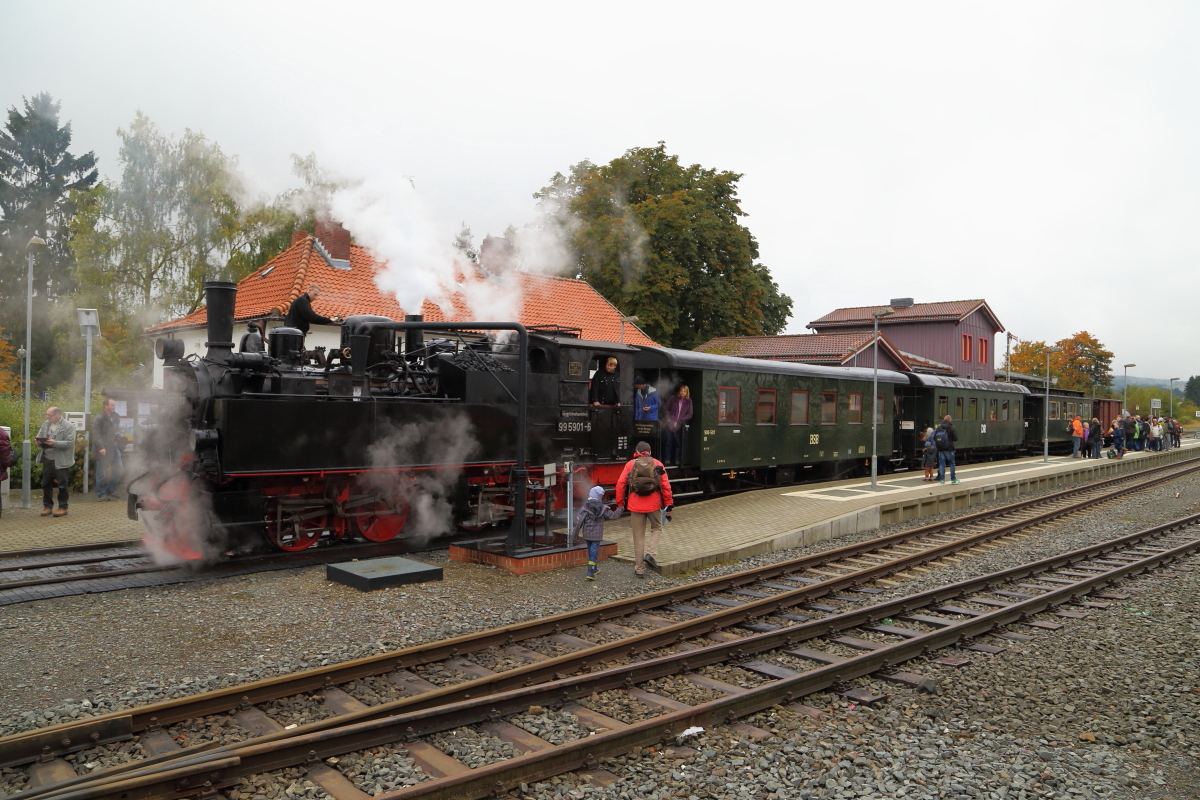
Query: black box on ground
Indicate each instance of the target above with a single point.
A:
(381, 573)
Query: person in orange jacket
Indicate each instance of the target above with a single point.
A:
(644, 489)
(1076, 436)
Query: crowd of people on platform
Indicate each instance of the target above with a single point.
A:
(1133, 432)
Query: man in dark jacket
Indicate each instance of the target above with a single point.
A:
(943, 439)
(107, 442)
(606, 385)
(300, 314)
(1130, 426)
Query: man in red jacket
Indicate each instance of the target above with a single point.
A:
(643, 488)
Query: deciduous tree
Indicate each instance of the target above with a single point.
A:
(665, 242)
(1082, 364)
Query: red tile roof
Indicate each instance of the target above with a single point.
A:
(548, 300)
(809, 348)
(951, 311)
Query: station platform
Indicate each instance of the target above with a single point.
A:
(704, 533)
(766, 520)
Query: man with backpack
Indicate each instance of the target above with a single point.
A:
(943, 440)
(644, 489)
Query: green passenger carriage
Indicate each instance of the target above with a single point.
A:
(765, 422)
(988, 416)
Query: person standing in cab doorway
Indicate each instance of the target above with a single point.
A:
(643, 488)
(606, 385)
(676, 413)
(645, 400)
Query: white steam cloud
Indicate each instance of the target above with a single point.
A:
(428, 492)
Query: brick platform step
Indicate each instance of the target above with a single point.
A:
(532, 561)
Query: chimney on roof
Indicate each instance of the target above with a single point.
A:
(298, 237)
(901, 302)
(334, 238)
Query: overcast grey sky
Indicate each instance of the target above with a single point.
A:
(1040, 155)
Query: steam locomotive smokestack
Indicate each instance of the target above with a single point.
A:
(414, 340)
(219, 297)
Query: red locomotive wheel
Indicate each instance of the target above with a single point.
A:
(379, 523)
(292, 540)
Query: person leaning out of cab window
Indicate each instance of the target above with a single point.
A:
(606, 385)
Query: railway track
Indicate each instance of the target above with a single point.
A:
(60, 572)
(780, 597)
(668, 691)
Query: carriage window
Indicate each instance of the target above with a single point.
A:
(855, 415)
(992, 409)
(1053, 409)
(943, 406)
(880, 408)
(973, 409)
(764, 407)
(799, 408)
(828, 408)
(1004, 410)
(1016, 409)
(729, 405)
(958, 404)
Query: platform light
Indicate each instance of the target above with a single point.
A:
(1046, 410)
(1125, 392)
(883, 312)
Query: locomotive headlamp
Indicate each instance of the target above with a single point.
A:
(201, 440)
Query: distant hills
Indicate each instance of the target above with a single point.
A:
(1119, 383)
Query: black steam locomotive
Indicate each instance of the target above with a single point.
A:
(387, 432)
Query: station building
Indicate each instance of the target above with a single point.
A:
(952, 339)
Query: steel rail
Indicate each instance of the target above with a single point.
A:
(214, 770)
(25, 747)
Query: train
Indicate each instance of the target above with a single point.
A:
(413, 429)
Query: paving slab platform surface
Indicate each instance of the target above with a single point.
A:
(708, 532)
(752, 523)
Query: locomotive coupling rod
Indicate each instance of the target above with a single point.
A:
(518, 538)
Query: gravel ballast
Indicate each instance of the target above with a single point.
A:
(1007, 726)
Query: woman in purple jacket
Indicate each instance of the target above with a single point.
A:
(677, 411)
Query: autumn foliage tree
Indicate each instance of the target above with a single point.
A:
(1082, 364)
(665, 242)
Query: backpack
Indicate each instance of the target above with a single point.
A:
(941, 439)
(643, 480)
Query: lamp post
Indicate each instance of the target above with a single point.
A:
(89, 326)
(883, 312)
(1125, 392)
(623, 321)
(1008, 340)
(26, 467)
(1171, 389)
(1046, 410)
